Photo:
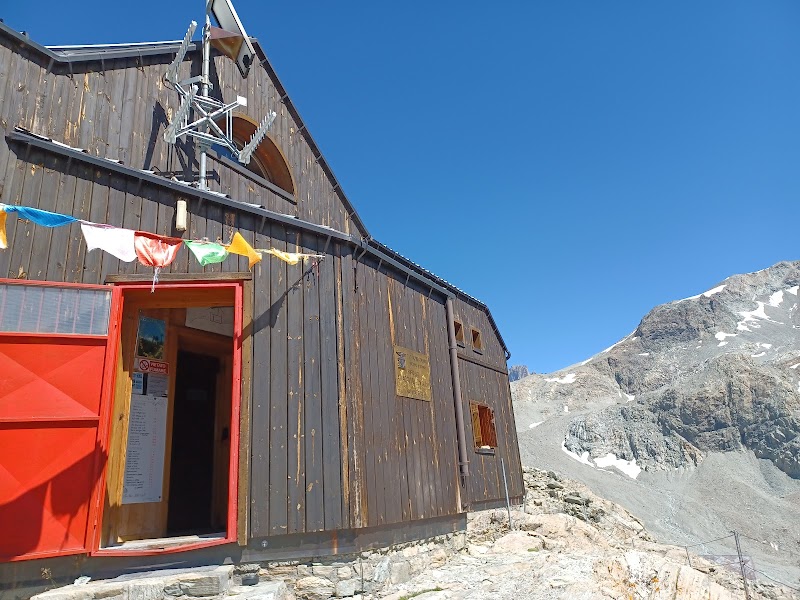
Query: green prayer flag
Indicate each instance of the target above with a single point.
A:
(207, 252)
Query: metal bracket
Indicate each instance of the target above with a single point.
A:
(258, 135)
(171, 76)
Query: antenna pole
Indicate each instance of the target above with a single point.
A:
(204, 93)
(200, 115)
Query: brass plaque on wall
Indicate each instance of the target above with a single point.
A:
(412, 374)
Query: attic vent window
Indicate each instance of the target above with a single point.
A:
(267, 160)
(477, 342)
(459, 333)
(483, 428)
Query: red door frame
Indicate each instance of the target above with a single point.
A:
(114, 333)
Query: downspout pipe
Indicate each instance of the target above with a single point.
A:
(463, 460)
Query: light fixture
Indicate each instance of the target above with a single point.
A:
(181, 215)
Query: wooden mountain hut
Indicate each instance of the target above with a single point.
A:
(334, 397)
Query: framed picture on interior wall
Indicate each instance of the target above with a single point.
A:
(150, 338)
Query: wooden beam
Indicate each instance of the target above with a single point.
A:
(243, 518)
(165, 277)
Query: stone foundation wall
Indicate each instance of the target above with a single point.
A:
(350, 576)
(354, 576)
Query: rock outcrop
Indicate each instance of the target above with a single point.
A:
(517, 372)
(705, 383)
(712, 373)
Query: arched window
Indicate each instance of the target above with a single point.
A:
(267, 161)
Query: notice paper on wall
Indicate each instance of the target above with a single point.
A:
(144, 457)
(150, 384)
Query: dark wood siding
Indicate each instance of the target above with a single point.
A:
(484, 379)
(119, 110)
(404, 458)
(331, 444)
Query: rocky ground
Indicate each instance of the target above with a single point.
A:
(564, 543)
(570, 544)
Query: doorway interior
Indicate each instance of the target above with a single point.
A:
(170, 475)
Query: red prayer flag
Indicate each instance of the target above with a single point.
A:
(155, 250)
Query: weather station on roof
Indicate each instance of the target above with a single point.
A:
(206, 355)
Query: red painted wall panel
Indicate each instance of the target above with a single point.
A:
(48, 378)
(50, 390)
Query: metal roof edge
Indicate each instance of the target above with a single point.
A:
(24, 39)
(454, 291)
(61, 54)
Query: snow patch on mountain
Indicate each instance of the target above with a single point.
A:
(706, 294)
(581, 458)
(628, 467)
(568, 378)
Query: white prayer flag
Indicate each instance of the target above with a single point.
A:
(113, 240)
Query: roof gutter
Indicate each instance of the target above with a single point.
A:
(403, 267)
(366, 244)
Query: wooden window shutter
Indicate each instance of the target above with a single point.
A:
(488, 431)
(476, 424)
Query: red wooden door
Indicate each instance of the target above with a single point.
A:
(52, 351)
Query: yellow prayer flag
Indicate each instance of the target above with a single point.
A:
(240, 246)
(3, 238)
(289, 257)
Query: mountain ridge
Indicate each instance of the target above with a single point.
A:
(714, 374)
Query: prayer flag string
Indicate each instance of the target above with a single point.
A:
(150, 249)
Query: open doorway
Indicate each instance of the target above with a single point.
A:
(191, 479)
(170, 464)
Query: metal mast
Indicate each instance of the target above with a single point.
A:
(206, 112)
(204, 85)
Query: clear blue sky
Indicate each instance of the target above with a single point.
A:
(570, 163)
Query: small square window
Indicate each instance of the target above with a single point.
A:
(459, 334)
(483, 429)
(477, 342)
(36, 308)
